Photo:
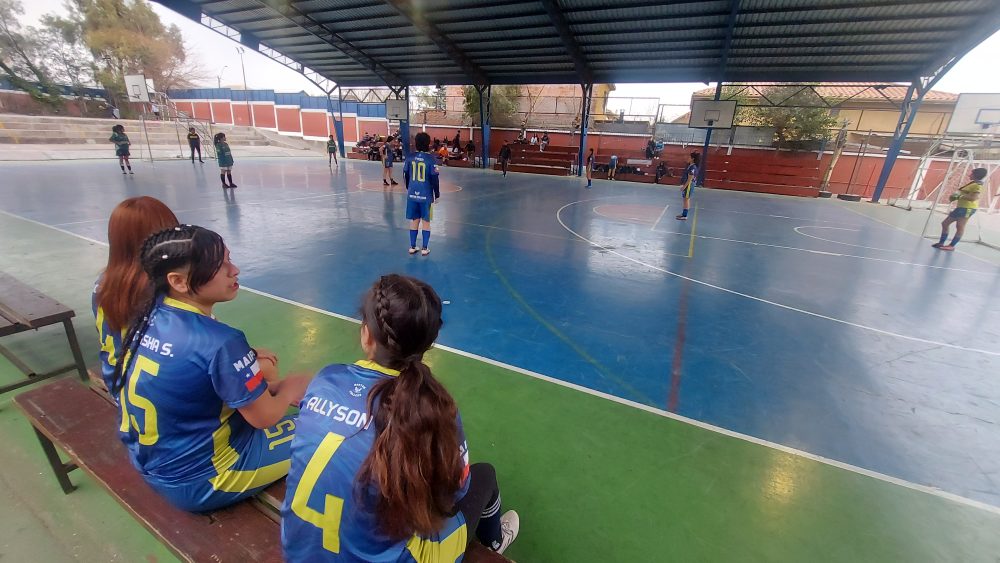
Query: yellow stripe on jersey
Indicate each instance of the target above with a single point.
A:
(107, 342)
(448, 549)
(225, 457)
(181, 305)
(368, 364)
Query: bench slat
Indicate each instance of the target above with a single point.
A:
(22, 305)
(84, 425)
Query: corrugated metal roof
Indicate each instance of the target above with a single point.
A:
(367, 42)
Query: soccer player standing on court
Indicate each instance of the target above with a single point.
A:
(331, 151)
(505, 157)
(687, 183)
(122, 144)
(968, 201)
(388, 156)
(420, 174)
(225, 155)
(194, 141)
(590, 168)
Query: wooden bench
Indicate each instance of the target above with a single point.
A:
(23, 308)
(84, 425)
(83, 422)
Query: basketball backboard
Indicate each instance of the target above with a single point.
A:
(712, 114)
(976, 114)
(396, 110)
(137, 88)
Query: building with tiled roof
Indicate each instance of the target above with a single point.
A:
(866, 106)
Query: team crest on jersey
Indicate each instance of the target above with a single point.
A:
(359, 389)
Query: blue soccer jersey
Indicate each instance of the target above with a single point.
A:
(179, 422)
(322, 518)
(420, 173)
(691, 172)
(111, 340)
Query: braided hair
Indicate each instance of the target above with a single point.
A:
(197, 248)
(415, 463)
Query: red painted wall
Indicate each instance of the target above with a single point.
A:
(200, 110)
(350, 130)
(240, 114)
(223, 112)
(380, 126)
(185, 107)
(288, 120)
(314, 124)
(263, 115)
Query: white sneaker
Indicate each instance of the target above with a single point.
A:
(425, 252)
(413, 250)
(510, 524)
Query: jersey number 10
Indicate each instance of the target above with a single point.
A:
(419, 171)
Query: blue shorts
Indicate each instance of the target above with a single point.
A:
(686, 192)
(264, 460)
(961, 213)
(388, 164)
(418, 210)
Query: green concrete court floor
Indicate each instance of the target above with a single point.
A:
(593, 479)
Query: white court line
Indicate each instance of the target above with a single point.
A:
(660, 218)
(209, 207)
(827, 253)
(780, 216)
(796, 229)
(769, 302)
(625, 402)
(921, 237)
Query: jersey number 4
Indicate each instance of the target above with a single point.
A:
(419, 171)
(329, 519)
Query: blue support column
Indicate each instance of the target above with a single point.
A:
(404, 125)
(588, 91)
(338, 124)
(703, 165)
(907, 114)
(484, 123)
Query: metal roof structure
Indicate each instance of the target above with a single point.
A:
(426, 42)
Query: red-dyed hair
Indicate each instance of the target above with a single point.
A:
(125, 286)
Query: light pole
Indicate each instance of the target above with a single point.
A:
(246, 91)
(219, 77)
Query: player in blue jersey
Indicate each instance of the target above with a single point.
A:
(420, 175)
(388, 157)
(203, 417)
(379, 462)
(123, 288)
(688, 179)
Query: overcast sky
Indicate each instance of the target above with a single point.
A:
(217, 56)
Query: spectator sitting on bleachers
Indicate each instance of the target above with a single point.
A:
(534, 139)
(650, 148)
(661, 171)
(470, 148)
(544, 143)
(365, 139)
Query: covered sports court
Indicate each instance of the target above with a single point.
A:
(776, 379)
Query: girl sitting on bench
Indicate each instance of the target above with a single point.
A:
(203, 414)
(380, 468)
(122, 288)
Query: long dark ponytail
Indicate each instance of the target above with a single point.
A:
(415, 463)
(200, 250)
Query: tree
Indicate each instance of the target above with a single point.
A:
(70, 61)
(127, 37)
(798, 117)
(23, 56)
(431, 98)
(503, 103)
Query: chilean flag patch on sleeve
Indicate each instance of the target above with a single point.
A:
(254, 380)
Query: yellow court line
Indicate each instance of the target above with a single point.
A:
(694, 227)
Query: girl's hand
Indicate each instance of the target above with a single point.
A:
(268, 362)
